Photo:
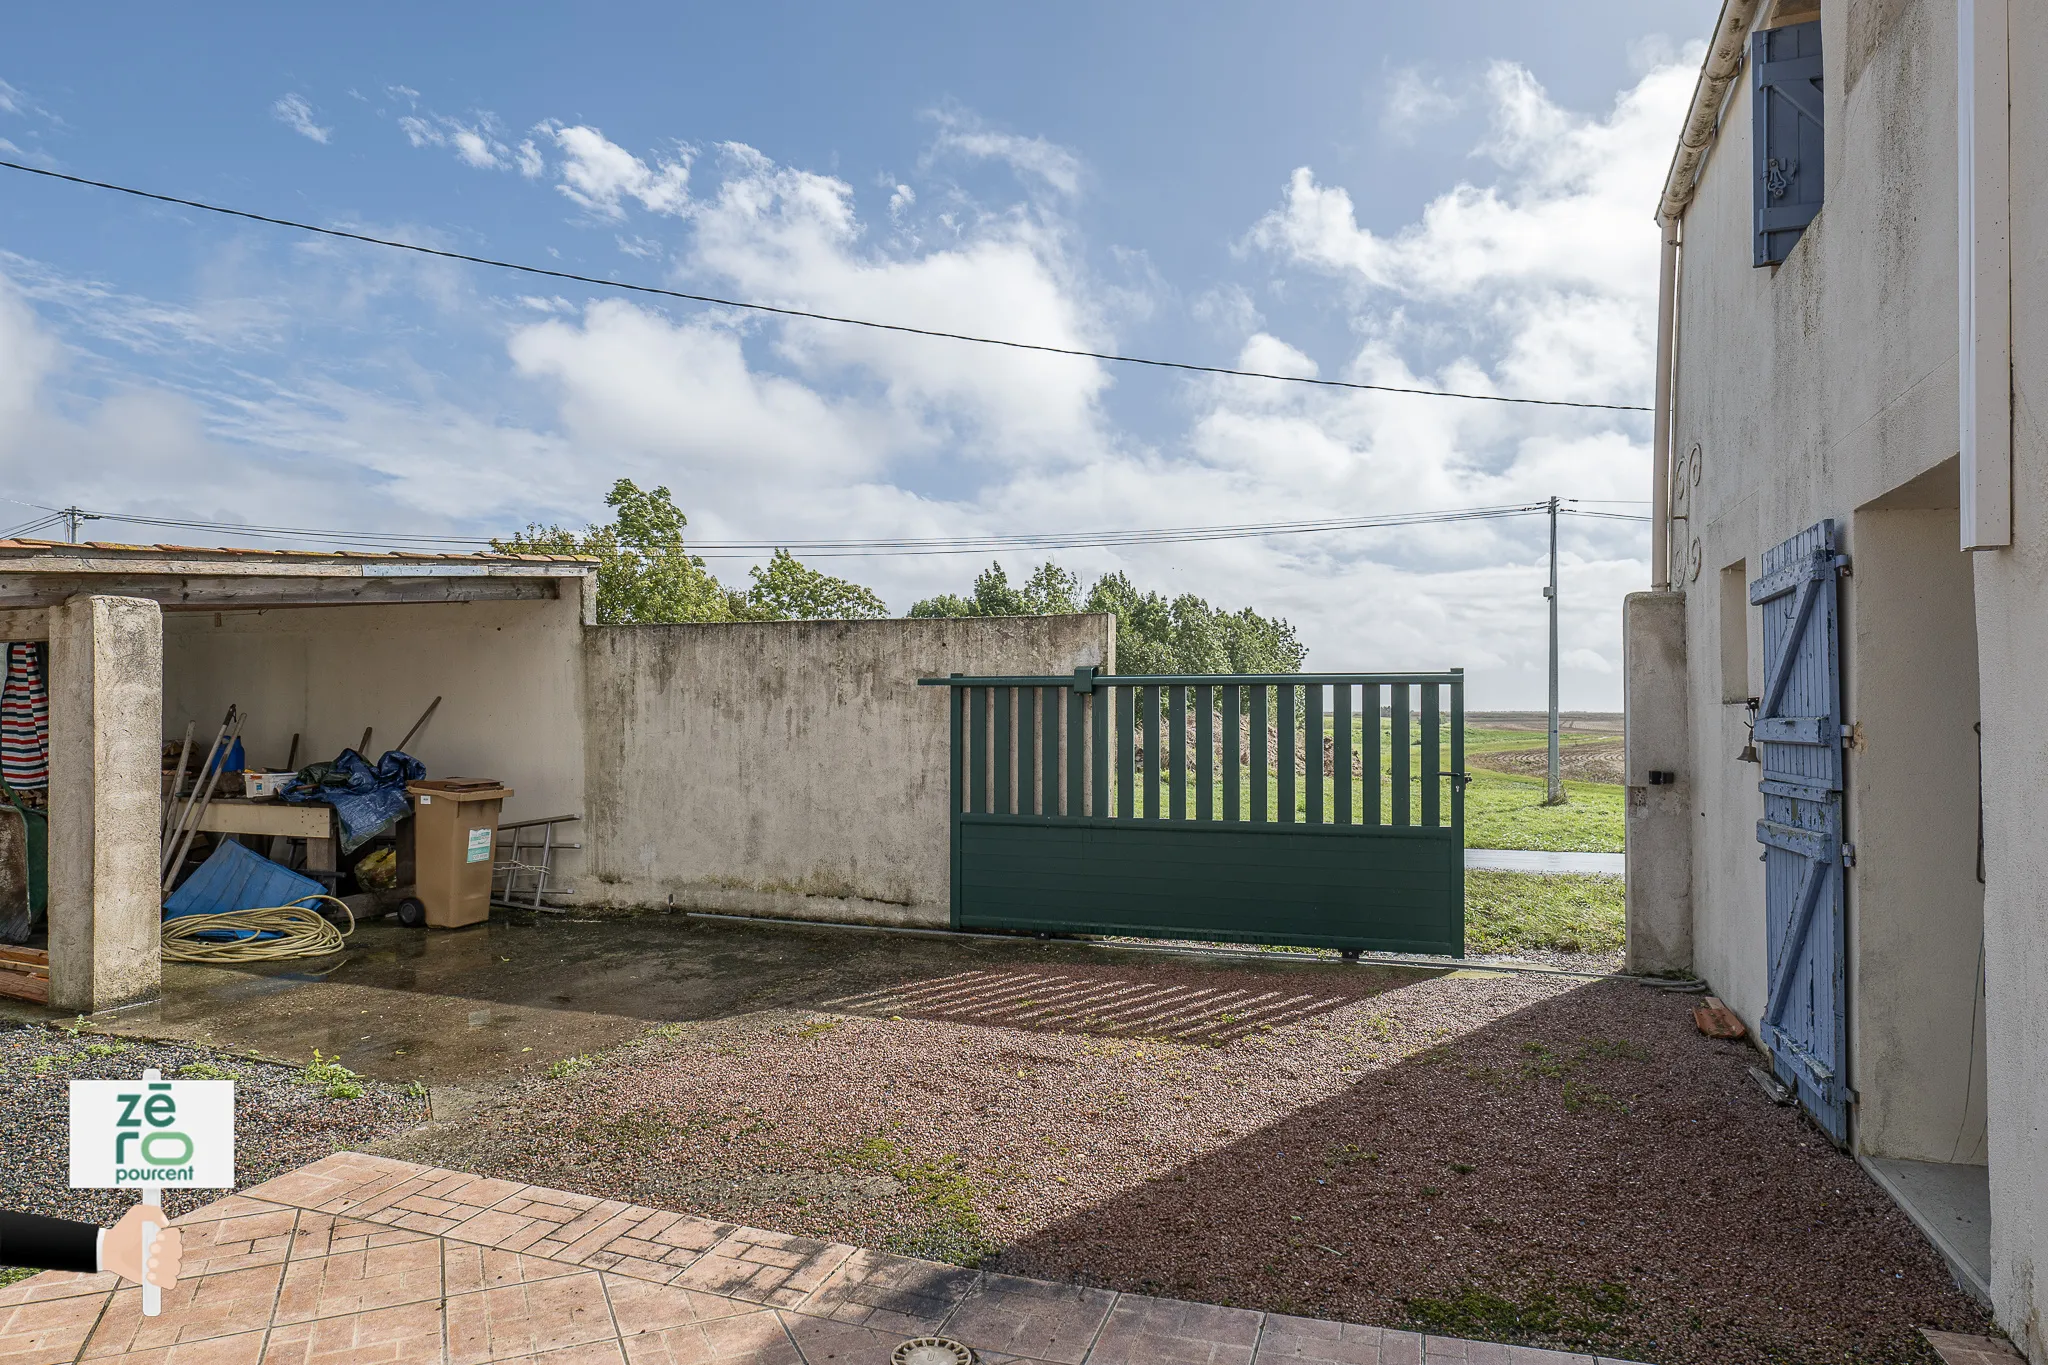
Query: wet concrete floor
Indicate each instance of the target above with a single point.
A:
(470, 1007)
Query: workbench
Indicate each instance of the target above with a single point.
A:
(313, 822)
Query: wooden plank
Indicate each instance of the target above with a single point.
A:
(266, 817)
(213, 592)
(35, 958)
(24, 623)
(21, 985)
(1343, 750)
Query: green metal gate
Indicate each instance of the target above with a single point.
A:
(1171, 807)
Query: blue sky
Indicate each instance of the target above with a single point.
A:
(1432, 195)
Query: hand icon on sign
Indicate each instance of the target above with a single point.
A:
(121, 1249)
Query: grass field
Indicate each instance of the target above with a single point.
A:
(1502, 810)
(1508, 912)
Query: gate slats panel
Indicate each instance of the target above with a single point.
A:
(1261, 755)
(1371, 758)
(1286, 865)
(1001, 741)
(1233, 755)
(1341, 745)
(1432, 758)
(1400, 795)
(1804, 1023)
(1312, 764)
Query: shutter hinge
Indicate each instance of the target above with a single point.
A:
(1848, 855)
(1852, 736)
(1843, 567)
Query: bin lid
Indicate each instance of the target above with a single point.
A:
(460, 788)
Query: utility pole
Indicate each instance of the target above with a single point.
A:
(72, 517)
(1555, 797)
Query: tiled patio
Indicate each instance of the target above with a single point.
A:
(360, 1258)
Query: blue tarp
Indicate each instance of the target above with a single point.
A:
(367, 801)
(233, 878)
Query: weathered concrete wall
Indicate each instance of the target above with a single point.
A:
(1659, 823)
(2012, 634)
(1827, 387)
(106, 665)
(510, 675)
(1912, 811)
(792, 769)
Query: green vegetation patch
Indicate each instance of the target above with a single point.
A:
(1583, 1316)
(947, 1226)
(1507, 912)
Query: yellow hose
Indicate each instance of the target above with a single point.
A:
(302, 932)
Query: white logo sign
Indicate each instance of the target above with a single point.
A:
(147, 1133)
(480, 841)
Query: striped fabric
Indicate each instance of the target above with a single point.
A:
(24, 721)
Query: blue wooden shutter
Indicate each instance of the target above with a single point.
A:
(1787, 144)
(1799, 734)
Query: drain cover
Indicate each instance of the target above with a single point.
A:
(931, 1351)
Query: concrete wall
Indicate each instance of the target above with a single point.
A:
(509, 674)
(1659, 824)
(1827, 387)
(2012, 634)
(791, 769)
(106, 654)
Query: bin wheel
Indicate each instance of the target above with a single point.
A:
(1351, 954)
(411, 913)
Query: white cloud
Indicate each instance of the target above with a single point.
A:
(474, 144)
(529, 159)
(962, 134)
(295, 113)
(1591, 661)
(601, 175)
(1414, 100)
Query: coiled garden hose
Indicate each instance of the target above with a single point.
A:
(297, 930)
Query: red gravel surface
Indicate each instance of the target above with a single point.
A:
(1517, 1158)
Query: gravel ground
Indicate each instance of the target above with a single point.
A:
(280, 1123)
(1523, 1158)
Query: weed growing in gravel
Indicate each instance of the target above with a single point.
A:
(203, 1071)
(569, 1066)
(1348, 1154)
(949, 1227)
(332, 1078)
(48, 1062)
(10, 1273)
(816, 1028)
(99, 1051)
(1583, 1316)
(417, 1090)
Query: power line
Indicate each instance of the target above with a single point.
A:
(804, 313)
(403, 542)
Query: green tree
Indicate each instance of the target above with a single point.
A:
(645, 574)
(787, 590)
(1154, 634)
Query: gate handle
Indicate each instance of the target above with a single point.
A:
(1462, 779)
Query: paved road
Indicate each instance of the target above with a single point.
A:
(1512, 860)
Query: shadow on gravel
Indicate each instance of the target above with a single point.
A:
(1587, 1172)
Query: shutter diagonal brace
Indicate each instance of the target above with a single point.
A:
(1802, 610)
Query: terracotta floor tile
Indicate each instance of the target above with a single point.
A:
(466, 1268)
(360, 1281)
(592, 1353)
(756, 1338)
(216, 1305)
(245, 1348)
(56, 1284)
(262, 1235)
(1142, 1330)
(1955, 1349)
(228, 1206)
(891, 1293)
(824, 1342)
(410, 1334)
(526, 1319)
(494, 1227)
(1313, 1341)
(1030, 1318)
(324, 1234)
(764, 1267)
(692, 1235)
(48, 1330)
(1529, 1355)
(639, 1306)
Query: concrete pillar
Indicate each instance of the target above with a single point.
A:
(106, 731)
(1660, 816)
